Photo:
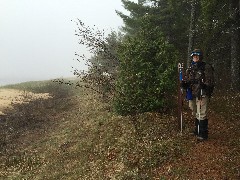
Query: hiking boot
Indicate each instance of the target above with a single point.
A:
(203, 130)
(195, 131)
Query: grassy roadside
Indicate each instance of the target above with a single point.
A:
(26, 125)
(74, 135)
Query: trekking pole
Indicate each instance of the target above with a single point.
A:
(180, 97)
(199, 117)
(200, 107)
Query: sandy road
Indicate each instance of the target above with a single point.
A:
(13, 96)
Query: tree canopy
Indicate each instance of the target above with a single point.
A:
(141, 61)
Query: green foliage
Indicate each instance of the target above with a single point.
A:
(212, 26)
(146, 77)
(133, 21)
(171, 17)
(156, 38)
(105, 59)
(102, 65)
(215, 37)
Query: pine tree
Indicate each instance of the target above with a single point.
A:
(216, 25)
(235, 41)
(137, 12)
(170, 16)
(192, 30)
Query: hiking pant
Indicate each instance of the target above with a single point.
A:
(199, 107)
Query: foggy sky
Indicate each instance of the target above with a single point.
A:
(37, 40)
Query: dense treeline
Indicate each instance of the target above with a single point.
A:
(216, 28)
(138, 65)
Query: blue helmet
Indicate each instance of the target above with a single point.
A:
(197, 52)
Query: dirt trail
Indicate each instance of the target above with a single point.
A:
(13, 96)
(205, 160)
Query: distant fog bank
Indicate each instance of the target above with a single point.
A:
(11, 81)
(4, 82)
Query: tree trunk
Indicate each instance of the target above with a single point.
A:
(191, 31)
(235, 41)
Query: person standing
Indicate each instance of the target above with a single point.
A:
(199, 84)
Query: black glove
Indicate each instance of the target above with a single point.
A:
(203, 86)
(185, 84)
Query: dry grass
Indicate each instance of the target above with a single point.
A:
(9, 97)
(74, 135)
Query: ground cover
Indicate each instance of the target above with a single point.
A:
(75, 135)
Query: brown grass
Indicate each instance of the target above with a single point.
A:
(74, 135)
(8, 97)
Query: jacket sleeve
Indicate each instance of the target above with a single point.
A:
(209, 75)
(209, 80)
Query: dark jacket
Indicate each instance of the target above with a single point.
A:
(200, 78)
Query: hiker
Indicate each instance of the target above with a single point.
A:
(199, 84)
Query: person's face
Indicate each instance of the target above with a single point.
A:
(195, 58)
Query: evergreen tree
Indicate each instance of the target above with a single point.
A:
(215, 27)
(235, 44)
(137, 12)
(170, 16)
(146, 77)
(192, 30)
